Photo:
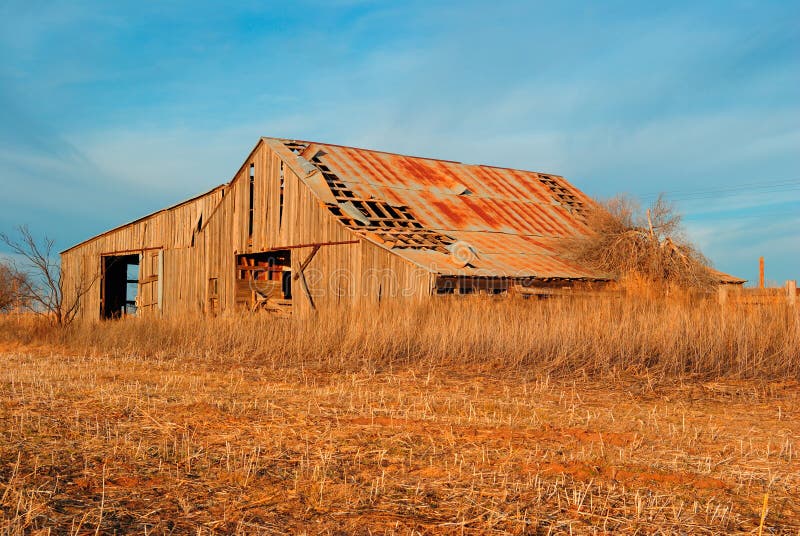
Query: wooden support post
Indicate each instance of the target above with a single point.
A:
(791, 292)
(722, 294)
(302, 276)
(761, 272)
(307, 291)
(306, 262)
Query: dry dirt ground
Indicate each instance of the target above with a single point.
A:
(121, 444)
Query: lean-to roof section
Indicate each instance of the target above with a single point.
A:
(211, 192)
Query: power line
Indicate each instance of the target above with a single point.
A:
(740, 186)
(686, 195)
(760, 188)
(727, 216)
(731, 194)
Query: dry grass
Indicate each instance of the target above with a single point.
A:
(478, 417)
(662, 338)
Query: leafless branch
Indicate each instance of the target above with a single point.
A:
(625, 241)
(42, 285)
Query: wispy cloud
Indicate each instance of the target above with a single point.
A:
(128, 108)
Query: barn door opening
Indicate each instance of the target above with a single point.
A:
(264, 281)
(120, 286)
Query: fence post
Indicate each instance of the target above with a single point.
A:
(791, 291)
(722, 294)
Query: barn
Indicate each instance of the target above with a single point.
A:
(304, 225)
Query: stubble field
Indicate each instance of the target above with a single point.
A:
(118, 429)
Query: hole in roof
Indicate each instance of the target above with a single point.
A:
(461, 189)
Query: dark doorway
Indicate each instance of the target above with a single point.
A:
(120, 285)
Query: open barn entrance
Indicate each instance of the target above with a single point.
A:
(264, 281)
(120, 285)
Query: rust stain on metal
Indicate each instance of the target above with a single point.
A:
(451, 212)
(514, 219)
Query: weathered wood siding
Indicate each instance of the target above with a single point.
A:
(199, 258)
(170, 229)
(385, 275)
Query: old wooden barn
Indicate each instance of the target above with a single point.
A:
(304, 225)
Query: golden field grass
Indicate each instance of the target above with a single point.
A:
(457, 417)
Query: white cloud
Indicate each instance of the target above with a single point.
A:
(655, 98)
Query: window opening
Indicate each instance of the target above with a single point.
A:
(263, 281)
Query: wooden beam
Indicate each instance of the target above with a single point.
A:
(305, 288)
(313, 244)
(129, 252)
(306, 263)
(274, 268)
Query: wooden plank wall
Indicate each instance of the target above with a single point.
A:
(216, 251)
(168, 229)
(345, 269)
(385, 275)
(303, 221)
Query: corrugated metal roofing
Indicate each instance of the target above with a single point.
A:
(513, 220)
(727, 278)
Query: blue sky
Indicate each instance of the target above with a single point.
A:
(111, 110)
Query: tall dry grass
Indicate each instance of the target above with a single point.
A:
(594, 337)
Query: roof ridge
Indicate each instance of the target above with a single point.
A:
(416, 157)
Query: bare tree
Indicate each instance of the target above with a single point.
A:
(626, 241)
(43, 285)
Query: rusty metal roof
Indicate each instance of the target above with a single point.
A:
(727, 279)
(511, 221)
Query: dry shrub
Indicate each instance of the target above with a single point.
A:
(596, 337)
(641, 248)
(13, 283)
